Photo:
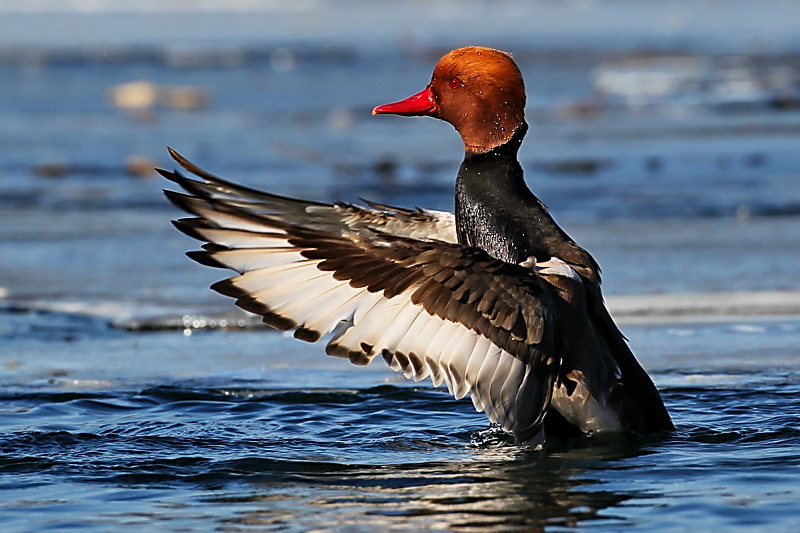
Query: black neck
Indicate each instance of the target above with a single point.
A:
(495, 210)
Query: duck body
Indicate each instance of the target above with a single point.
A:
(497, 212)
(496, 301)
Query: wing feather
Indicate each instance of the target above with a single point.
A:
(430, 308)
(332, 218)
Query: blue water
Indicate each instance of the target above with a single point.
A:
(132, 398)
(310, 445)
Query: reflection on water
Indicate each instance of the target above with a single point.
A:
(386, 457)
(492, 490)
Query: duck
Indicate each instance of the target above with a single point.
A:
(495, 300)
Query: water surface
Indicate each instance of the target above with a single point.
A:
(133, 398)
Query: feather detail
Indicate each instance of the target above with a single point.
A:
(430, 308)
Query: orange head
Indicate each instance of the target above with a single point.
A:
(478, 90)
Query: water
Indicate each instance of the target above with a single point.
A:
(199, 436)
(132, 398)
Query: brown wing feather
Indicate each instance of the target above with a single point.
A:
(430, 308)
(332, 218)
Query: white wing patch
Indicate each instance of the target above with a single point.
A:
(410, 339)
(298, 266)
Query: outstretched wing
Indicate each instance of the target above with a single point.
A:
(429, 308)
(342, 217)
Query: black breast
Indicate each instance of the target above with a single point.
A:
(495, 211)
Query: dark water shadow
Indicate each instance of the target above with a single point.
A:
(387, 457)
(482, 489)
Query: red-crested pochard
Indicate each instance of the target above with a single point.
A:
(496, 301)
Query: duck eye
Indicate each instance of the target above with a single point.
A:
(455, 83)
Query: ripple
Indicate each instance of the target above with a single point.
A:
(385, 454)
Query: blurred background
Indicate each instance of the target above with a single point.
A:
(657, 122)
(642, 114)
(665, 138)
